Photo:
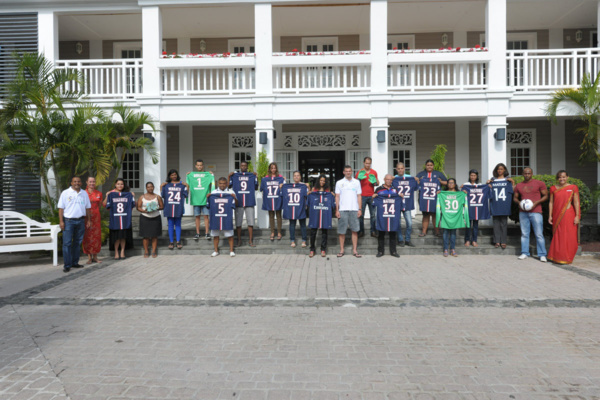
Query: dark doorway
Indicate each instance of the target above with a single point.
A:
(316, 163)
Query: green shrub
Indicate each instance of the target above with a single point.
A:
(586, 199)
(262, 164)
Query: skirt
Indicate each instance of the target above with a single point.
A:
(150, 227)
(117, 234)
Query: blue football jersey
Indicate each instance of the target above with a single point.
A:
(501, 197)
(222, 207)
(174, 195)
(120, 206)
(294, 200)
(389, 209)
(407, 186)
(271, 192)
(244, 184)
(428, 188)
(478, 197)
(321, 206)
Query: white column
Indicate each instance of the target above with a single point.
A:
(151, 49)
(186, 156)
(378, 39)
(556, 38)
(266, 127)
(183, 45)
(495, 41)
(557, 146)
(461, 142)
(379, 151)
(96, 49)
(156, 173)
(492, 151)
(263, 41)
(460, 39)
(48, 37)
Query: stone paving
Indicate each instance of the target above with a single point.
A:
(281, 327)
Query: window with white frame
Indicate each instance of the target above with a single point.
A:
(241, 148)
(401, 42)
(132, 169)
(356, 159)
(402, 149)
(286, 163)
(520, 150)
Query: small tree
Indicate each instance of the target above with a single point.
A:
(262, 164)
(586, 99)
(438, 155)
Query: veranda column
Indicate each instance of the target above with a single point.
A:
(379, 141)
(378, 40)
(493, 151)
(263, 42)
(156, 173)
(495, 41)
(557, 146)
(48, 35)
(186, 156)
(461, 142)
(151, 49)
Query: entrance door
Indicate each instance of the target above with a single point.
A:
(316, 163)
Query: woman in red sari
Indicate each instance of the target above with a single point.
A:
(93, 236)
(564, 218)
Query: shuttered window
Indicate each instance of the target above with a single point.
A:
(19, 190)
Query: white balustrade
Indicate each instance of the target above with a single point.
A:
(106, 79)
(208, 81)
(436, 76)
(545, 70)
(322, 78)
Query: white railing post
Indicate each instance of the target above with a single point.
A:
(574, 70)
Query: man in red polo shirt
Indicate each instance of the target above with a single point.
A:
(368, 182)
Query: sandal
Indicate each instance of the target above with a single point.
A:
(503, 245)
(272, 237)
(251, 244)
(146, 255)
(340, 255)
(357, 255)
(171, 246)
(497, 245)
(475, 244)
(179, 245)
(154, 255)
(311, 254)
(453, 253)
(467, 244)
(279, 236)
(303, 244)
(323, 254)
(422, 234)
(293, 244)
(445, 253)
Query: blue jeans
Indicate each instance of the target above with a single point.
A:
(527, 220)
(302, 229)
(72, 239)
(174, 225)
(408, 218)
(367, 200)
(449, 239)
(471, 233)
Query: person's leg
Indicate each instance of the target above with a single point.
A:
(372, 215)
(408, 219)
(475, 225)
(249, 211)
(497, 230)
(435, 225)
(468, 234)
(171, 229)
(354, 226)
(452, 239)
(231, 244)
(292, 230)
(324, 239)
(78, 234)
(354, 242)
(197, 224)
(392, 241)
(425, 223)
(206, 224)
(239, 219)
(342, 228)
(537, 222)
(504, 229)
(272, 223)
(446, 239)
(123, 244)
(313, 239)
(302, 223)
(341, 238)
(67, 244)
(278, 214)
(363, 207)
(380, 240)
(216, 243)
(145, 245)
(178, 228)
(154, 246)
(525, 229)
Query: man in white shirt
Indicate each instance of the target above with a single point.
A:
(74, 214)
(347, 199)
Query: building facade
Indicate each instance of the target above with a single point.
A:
(319, 84)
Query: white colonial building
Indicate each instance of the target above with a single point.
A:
(322, 83)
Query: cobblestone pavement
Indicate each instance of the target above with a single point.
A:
(277, 327)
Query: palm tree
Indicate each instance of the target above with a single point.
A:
(587, 101)
(122, 137)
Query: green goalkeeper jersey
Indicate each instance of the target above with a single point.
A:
(452, 210)
(201, 184)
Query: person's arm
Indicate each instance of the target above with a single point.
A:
(511, 180)
(544, 198)
(61, 219)
(337, 205)
(104, 201)
(516, 198)
(88, 214)
(162, 185)
(161, 205)
(577, 208)
(550, 207)
(359, 200)
(443, 180)
(139, 205)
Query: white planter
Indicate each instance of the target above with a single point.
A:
(262, 216)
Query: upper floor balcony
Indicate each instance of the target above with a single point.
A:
(330, 49)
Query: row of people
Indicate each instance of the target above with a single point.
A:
(349, 204)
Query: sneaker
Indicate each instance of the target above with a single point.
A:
(196, 236)
(66, 269)
(523, 257)
(395, 255)
(207, 236)
(231, 254)
(379, 255)
(543, 259)
(409, 244)
(401, 244)
(214, 254)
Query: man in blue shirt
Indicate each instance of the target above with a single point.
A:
(244, 184)
(389, 206)
(407, 185)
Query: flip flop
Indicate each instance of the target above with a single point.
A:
(340, 255)
(503, 245)
(497, 245)
(154, 255)
(323, 254)
(311, 254)
(422, 234)
(357, 255)
(279, 236)
(272, 237)
(251, 244)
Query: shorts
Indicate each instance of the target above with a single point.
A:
(216, 233)
(239, 216)
(348, 219)
(201, 210)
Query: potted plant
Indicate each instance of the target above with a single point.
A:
(262, 168)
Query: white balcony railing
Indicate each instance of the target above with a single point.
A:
(106, 79)
(321, 73)
(543, 70)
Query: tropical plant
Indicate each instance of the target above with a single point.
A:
(262, 164)
(586, 100)
(438, 155)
